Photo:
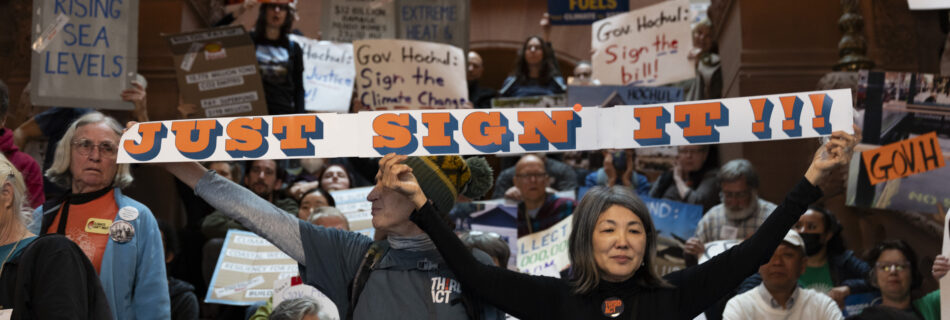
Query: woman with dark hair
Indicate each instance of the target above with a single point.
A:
(612, 250)
(313, 200)
(536, 72)
(279, 58)
(895, 274)
(693, 178)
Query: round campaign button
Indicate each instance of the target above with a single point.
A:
(612, 307)
(129, 213)
(121, 231)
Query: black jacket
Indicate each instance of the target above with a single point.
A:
(845, 268)
(53, 279)
(184, 301)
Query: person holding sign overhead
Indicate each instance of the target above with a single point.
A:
(612, 250)
(118, 234)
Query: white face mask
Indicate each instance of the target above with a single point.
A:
(744, 213)
(311, 164)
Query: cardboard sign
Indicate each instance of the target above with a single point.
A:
(351, 20)
(546, 252)
(83, 56)
(578, 12)
(645, 47)
(248, 264)
(442, 21)
(590, 96)
(328, 74)
(293, 288)
(433, 132)
(217, 71)
(557, 100)
(675, 223)
(903, 158)
(405, 74)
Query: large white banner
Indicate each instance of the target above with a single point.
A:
(328, 74)
(494, 131)
(407, 74)
(645, 47)
(84, 53)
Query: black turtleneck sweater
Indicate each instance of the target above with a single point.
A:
(694, 289)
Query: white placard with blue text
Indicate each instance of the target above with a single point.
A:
(84, 53)
(327, 75)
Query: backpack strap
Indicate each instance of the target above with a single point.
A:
(372, 257)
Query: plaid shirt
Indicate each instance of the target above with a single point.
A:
(710, 227)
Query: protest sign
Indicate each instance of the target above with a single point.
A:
(442, 21)
(511, 131)
(591, 96)
(84, 55)
(576, 12)
(293, 288)
(556, 100)
(675, 223)
(903, 158)
(546, 252)
(489, 216)
(354, 205)
(328, 74)
(247, 262)
(351, 20)
(406, 74)
(217, 71)
(645, 47)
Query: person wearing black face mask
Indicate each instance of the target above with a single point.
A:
(830, 267)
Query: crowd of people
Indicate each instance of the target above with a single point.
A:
(73, 243)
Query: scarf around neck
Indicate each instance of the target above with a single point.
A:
(420, 242)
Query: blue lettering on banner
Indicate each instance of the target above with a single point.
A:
(86, 34)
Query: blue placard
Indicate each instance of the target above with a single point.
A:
(568, 12)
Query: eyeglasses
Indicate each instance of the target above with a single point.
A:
(532, 176)
(85, 146)
(892, 267)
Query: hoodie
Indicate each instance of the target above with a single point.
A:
(32, 174)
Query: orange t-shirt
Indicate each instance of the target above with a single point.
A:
(88, 226)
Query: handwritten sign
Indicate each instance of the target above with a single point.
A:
(645, 47)
(442, 21)
(217, 71)
(293, 288)
(903, 158)
(576, 12)
(247, 262)
(466, 131)
(351, 20)
(405, 74)
(328, 74)
(546, 252)
(83, 55)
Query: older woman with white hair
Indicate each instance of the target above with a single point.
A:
(118, 234)
(41, 277)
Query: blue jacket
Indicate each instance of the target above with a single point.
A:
(132, 273)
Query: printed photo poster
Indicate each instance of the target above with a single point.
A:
(645, 47)
(408, 74)
(328, 74)
(675, 223)
(351, 20)
(83, 56)
(582, 12)
(246, 269)
(217, 71)
(441, 21)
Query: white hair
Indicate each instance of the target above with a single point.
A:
(59, 172)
